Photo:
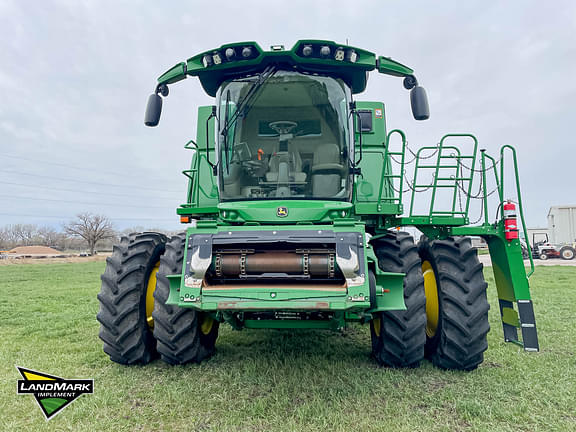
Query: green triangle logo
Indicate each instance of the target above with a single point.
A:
(52, 393)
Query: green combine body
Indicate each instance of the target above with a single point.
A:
(295, 208)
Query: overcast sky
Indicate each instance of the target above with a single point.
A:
(75, 76)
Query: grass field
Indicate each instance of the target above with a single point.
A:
(269, 380)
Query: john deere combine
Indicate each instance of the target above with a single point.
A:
(297, 196)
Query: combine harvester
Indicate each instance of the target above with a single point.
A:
(295, 205)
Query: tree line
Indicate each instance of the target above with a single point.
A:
(86, 232)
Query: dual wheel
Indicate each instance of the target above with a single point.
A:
(446, 316)
(136, 324)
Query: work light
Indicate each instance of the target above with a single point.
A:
(207, 60)
(307, 50)
(351, 56)
(230, 53)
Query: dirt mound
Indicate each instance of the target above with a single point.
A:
(34, 250)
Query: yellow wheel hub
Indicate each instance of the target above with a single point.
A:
(206, 324)
(432, 304)
(377, 324)
(150, 288)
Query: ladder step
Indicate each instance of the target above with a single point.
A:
(457, 157)
(436, 166)
(455, 178)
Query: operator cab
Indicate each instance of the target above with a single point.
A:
(284, 135)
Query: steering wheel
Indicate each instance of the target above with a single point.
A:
(282, 126)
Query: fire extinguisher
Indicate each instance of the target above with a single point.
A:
(510, 221)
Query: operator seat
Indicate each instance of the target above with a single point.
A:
(295, 166)
(327, 171)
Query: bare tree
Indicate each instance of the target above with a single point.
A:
(48, 236)
(25, 233)
(7, 238)
(92, 228)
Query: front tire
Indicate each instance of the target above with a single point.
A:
(184, 335)
(456, 303)
(398, 337)
(127, 282)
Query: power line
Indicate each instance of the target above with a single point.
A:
(81, 202)
(85, 181)
(81, 191)
(68, 217)
(44, 162)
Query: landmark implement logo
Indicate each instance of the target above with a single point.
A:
(52, 393)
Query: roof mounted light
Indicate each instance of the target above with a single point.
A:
(339, 54)
(307, 50)
(351, 56)
(207, 60)
(247, 52)
(325, 51)
(230, 53)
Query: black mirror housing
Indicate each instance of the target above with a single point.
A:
(419, 102)
(153, 110)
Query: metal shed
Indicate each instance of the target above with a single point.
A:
(562, 224)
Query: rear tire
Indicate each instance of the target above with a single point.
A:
(567, 253)
(183, 335)
(398, 337)
(456, 339)
(124, 328)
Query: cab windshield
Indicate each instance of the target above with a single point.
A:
(284, 135)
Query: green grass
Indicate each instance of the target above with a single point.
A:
(270, 380)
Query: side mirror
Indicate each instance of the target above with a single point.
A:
(419, 102)
(153, 110)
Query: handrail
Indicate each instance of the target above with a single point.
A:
(485, 185)
(415, 176)
(439, 148)
(520, 207)
(385, 160)
(191, 145)
(474, 152)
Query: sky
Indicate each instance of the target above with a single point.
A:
(75, 76)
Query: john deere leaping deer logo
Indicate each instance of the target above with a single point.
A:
(281, 212)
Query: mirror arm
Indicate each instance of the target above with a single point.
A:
(410, 82)
(162, 89)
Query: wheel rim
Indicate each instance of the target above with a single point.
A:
(377, 325)
(206, 324)
(567, 254)
(150, 288)
(432, 303)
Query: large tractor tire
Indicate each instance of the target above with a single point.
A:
(456, 304)
(126, 300)
(567, 253)
(398, 337)
(183, 335)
